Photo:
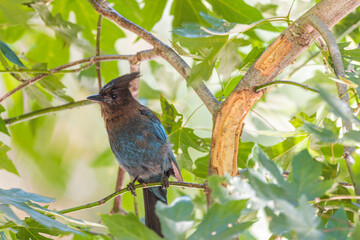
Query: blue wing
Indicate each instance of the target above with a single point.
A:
(159, 129)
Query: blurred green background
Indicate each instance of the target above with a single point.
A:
(66, 155)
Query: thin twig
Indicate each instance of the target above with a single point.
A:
(143, 55)
(103, 8)
(336, 198)
(342, 88)
(124, 190)
(286, 82)
(98, 34)
(45, 111)
(117, 207)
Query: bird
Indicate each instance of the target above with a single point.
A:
(139, 142)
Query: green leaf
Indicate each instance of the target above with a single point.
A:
(259, 156)
(10, 214)
(202, 167)
(288, 219)
(49, 50)
(182, 138)
(356, 232)
(236, 11)
(244, 151)
(338, 225)
(251, 58)
(10, 55)
(356, 170)
(128, 227)
(34, 230)
(305, 177)
(25, 201)
(130, 10)
(14, 12)
(338, 107)
(284, 151)
(225, 189)
(227, 228)
(34, 93)
(53, 85)
(187, 12)
(147, 92)
(176, 218)
(5, 162)
(152, 13)
(66, 30)
(3, 127)
(325, 135)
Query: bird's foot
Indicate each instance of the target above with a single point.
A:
(165, 182)
(131, 187)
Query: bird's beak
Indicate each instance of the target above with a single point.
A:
(96, 98)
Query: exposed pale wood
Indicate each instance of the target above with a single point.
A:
(281, 53)
(227, 130)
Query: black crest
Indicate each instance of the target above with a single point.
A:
(120, 83)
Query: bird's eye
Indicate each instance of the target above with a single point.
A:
(113, 96)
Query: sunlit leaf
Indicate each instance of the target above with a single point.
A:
(187, 12)
(5, 162)
(339, 108)
(227, 228)
(128, 227)
(225, 189)
(182, 138)
(25, 201)
(325, 135)
(34, 230)
(338, 226)
(177, 218)
(289, 219)
(152, 13)
(10, 55)
(66, 30)
(305, 175)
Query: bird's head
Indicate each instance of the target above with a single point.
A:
(116, 92)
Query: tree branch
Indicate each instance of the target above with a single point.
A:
(124, 190)
(282, 52)
(45, 111)
(98, 35)
(142, 55)
(286, 82)
(341, 87)
(103, 8)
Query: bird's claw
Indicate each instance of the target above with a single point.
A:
(165, 182)
(131, 188)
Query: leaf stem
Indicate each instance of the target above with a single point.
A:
(124, 190)
(286, 82)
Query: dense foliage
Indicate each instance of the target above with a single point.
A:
(294, 181)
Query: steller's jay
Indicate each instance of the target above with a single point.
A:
(138, 141)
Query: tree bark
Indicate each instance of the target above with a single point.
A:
(282, 52)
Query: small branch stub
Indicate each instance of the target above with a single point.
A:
(227, 131)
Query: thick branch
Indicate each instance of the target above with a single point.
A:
(103, 8)
(142, 55)
(45, 111)
(282, 52)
